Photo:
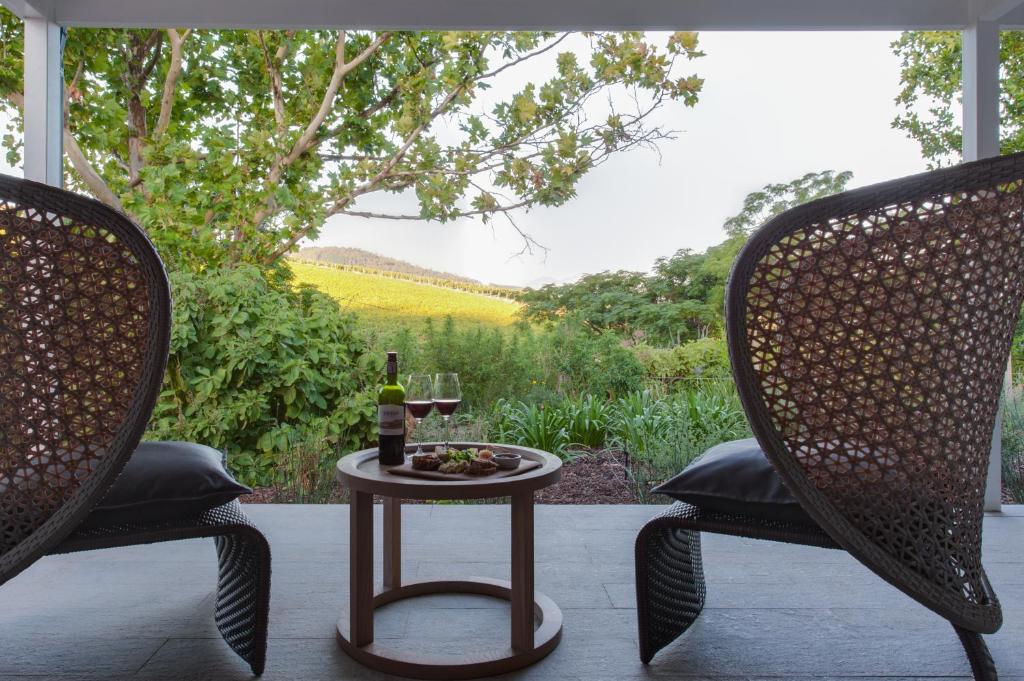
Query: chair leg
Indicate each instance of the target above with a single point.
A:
(669, 584)
(982, 666)
(243, 593)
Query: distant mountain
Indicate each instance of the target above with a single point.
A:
(357, 257)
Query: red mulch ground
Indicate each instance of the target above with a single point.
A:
(589, 478)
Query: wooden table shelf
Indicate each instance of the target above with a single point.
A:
(536, 620)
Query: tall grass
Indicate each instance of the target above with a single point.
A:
(1013, 443)
(660, 434)
(308, 472)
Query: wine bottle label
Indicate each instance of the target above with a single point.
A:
(391, 419)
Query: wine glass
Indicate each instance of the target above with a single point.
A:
(419, 395)
(447, 395)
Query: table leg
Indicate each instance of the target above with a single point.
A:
(392, 542)
(522, 571)
(361, 568)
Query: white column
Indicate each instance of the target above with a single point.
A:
(981, 140)
(44, 102)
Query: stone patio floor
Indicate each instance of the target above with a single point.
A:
(774, 611)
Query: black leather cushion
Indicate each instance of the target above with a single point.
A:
(163, 481)
(736, 477)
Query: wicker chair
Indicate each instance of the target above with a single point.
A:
(84, 333)
(868, 334)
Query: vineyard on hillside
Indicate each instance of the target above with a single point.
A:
(508, 292)
(357, 257)
(383, 296)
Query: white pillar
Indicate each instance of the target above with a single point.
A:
(44, 102)
(981, 140)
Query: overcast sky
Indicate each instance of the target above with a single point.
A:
(774, 106)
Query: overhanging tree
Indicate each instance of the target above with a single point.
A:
(932, 92)
(232, 146)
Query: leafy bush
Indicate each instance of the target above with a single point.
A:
(688, 365)
(595, 364)
(532, 425)
(587, 421)
(491, 363)
(255, 368)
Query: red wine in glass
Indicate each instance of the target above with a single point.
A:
(447, 395)
(419, 408)
(446, 407)
(419, 397)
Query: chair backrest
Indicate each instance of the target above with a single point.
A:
(84, 332)
(869, 333)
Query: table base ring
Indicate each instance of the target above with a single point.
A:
(470, 666)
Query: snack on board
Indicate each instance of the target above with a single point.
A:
(457, 455)
(426, 462)
(454, 467)
(482, 467)
(453, 461)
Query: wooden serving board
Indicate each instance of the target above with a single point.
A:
(407, 470)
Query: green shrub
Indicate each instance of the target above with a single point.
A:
(585, 363)
(689, 365)
(492, 363)
(532, 425)
(587, 421)
(256, 368)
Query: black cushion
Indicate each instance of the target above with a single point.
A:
(737, 478)
(164, 481)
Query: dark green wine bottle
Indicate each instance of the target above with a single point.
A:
(391, 417)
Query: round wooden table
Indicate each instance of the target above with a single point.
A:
(536, 620)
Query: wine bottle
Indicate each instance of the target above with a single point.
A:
(391, 417)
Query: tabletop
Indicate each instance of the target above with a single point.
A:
(362, 472)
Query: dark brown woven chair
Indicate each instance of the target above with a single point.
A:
(84, 331)
(868, 334)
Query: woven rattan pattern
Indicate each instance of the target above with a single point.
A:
(869, 333)
(670, 586)
(243, 556)
(84, 322)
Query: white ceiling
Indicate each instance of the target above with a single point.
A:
(529, 14)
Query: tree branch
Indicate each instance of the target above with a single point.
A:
(78, 160)
(370, 185)
(89, 176)
(341, 69)
(308, 137)
(275, 81)
(525, 57)
(154, 42)
(171, 81)
(459, 214)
